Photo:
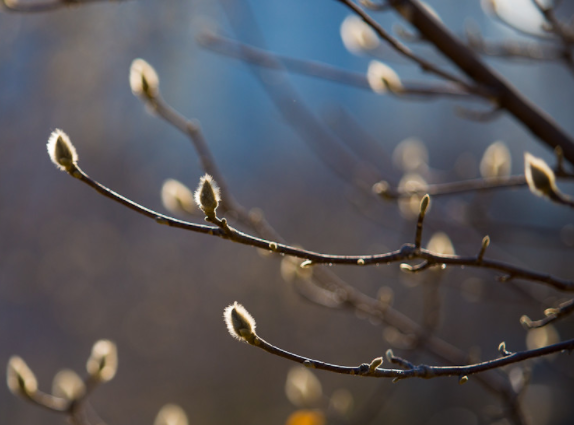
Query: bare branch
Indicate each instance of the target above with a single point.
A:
(263, 58)
(468, 61)
(409, 370)
(552, 315)
(17, 6)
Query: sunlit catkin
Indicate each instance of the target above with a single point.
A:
(496, 161)
(302, 387)
(103, 362)
(68, 385)
(357, 36)
(382, 78)
(21, 380)
(171, 414)
(207, 195)
(539, 176)
(240, 323)
(61, 151)
(144, 81)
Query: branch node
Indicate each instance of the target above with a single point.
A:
(502, 349)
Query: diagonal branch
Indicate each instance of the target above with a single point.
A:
(538, 122)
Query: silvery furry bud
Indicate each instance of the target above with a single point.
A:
(207, 195)
(383, 78)
(144, 81)
(240, 323)
(103, 362)
(176, 197)
(539, 176)
(61, 151)
(21, 380)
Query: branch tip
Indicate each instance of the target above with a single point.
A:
(240, 323)
(62, 151)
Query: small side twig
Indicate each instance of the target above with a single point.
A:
(242, 327)
(552, 315)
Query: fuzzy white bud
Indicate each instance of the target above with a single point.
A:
(496, 161)
(176, 197)
(21, 380)
(207, 195)
(103, 362)
(171, 414)
(144, 81)
(539, 176)
(382, 78)
(68, 385)
(240, 323)
(357, 35)
(61, 151)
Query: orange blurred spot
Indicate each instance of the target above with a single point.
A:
(306, 417)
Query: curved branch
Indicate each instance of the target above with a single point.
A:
(410, 370)
(538, 122)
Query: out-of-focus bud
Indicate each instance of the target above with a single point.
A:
(177, 198)
(207, 195)
(357, 35)
(342, 401)
(21, 380)
(382, 78)
(539, 176)
(411, 155)
(302, 387)
(68, 385)
(496, 161)
(144, 81)
(61, 151)
(240, 323)
(171, 414)
(103, 362)
(410, 207)
(291, 269)
(440, 243)
(542, 337)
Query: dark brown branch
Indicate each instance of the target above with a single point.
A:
(566, 37)
(263, 58)
(539, 123)
(407, 252)
(552, 315)
(441, 189)
(405, 51)
(16, 6)
(412, 371)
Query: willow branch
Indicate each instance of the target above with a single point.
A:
(552, 315)
(538, 122)
(17, 6)
(266, 59)
(406, 253)
(409, 370)
(475, 185)
(566, 38)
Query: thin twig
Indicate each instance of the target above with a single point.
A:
(263, 58)
(16, 6)
(442, 189)
(412, 371)
(470, 63)
(552, 315)
(407, 251)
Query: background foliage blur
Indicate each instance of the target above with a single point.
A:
(75, 267)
